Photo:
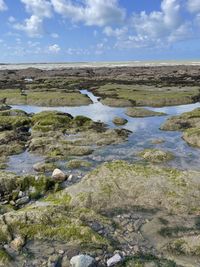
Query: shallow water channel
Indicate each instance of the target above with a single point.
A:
(145, 130)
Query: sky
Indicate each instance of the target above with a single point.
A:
(99, 30)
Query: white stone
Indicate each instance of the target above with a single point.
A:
(20, 194)
(70, 177)
(81, 261)
(114, 260)
(22, 200)
(58, 175)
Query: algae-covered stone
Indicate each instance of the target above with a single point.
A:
(4, 107)
(50, 132)
(51, 121)
(156, 155)
(188, 245)
(119, 121)
(13, 122)
(142, 112)
(14, 127)
(44, 167)
(73, 164)
(45, 97)
(192, 136)
(189, 123)
(119, 185)
(8, 182)
(128, 94)
(5, 258)
(56, 222)
(11, 184)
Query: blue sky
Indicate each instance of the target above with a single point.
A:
(99, 30)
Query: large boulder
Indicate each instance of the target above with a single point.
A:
(119, 185)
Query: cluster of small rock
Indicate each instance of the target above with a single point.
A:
(88, 261)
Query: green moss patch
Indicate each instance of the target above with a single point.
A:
(142, 112)
(187, 122)
(142, 95)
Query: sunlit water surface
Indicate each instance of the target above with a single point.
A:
(145, 130)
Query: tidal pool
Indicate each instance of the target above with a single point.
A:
(145, 130)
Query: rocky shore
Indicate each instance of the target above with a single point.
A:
(116, 213)
(120, 86)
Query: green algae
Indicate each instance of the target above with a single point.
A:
(142, 95)
(156, 155)
(50, 121)
(73, 164)
(142, 112)
(5, 258)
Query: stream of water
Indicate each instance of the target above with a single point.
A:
(145, 130)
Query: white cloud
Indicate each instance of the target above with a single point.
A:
(171, 11)
(158, 24)
(77, 51)
(40, 8)
(193, 6)
(90, 12)
(54, 49)
(118, 32)
(156, 29)
(176, 20)
(3, 6)
(32, 26)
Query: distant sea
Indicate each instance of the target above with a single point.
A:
(50, 66)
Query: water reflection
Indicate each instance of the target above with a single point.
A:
(23, 163)
(144, 131)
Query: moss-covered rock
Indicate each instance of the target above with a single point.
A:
(142, 112)
(192, 136)
(51, 121)
(119, 185)
(14, 133)
(188, 245)
(119, 121)
(156, 155)
(50, 132)
(11, 184)
(74, 164)
(13, 122)
(46, 97)
(54, 220)
(43, 167)
(4, 107)
(5, 258)
(127, 94)
(189, 123)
